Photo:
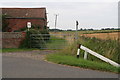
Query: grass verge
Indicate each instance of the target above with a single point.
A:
(73, 61)
(16, 49)
(107, 48)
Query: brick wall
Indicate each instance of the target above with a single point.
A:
(12, 39)
(16, 24)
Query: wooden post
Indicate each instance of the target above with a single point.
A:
(76, 36)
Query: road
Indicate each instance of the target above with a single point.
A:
(25, 67)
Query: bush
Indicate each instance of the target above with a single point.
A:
(33, 39)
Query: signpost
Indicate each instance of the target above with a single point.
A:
(28, 25)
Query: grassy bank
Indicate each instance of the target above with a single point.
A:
(107, 48)
(61, 58)
(15, 49)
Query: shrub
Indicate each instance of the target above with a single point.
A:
(33, 39)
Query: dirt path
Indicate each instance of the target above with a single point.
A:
(35, 54)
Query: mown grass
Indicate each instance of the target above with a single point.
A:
(55, 43)
(61, 58)
(15, 49)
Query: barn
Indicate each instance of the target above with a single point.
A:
(17, 18)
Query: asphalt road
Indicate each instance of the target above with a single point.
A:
(21, 67)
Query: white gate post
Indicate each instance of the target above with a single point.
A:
(85, 55)
(78, 51)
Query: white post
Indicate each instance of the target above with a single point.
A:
(85, 55)
(28, 25)
(78, 51)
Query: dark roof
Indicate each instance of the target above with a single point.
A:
(25, 12)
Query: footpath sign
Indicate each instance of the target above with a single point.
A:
(28, 25)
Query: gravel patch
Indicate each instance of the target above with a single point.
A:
(35, 54)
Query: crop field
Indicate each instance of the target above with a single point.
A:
(104, 36)
(100, 34)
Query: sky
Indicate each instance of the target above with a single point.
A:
(94, 14)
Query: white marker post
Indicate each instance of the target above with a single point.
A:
(85, 55)
(28, 25)
(98, 56)
(78, 51)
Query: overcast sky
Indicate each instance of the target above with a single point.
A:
(95, 14)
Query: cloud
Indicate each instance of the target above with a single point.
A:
(59, 1)
(89, 14)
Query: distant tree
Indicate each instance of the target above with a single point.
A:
(102, 29)
(69, 29)
(107, 28)
(112, 28)
(80, 29)
(84, 29)
(55, 30)
(90, 29)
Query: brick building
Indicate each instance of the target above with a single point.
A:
(18, 17)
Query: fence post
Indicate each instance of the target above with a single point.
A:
(85, 55)
(78, 51)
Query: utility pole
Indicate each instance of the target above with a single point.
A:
(56, 15)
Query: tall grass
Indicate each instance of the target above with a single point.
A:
(107, 48)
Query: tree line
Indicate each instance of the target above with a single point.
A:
(84, 29)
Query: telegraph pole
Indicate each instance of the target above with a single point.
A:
(56, 15)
